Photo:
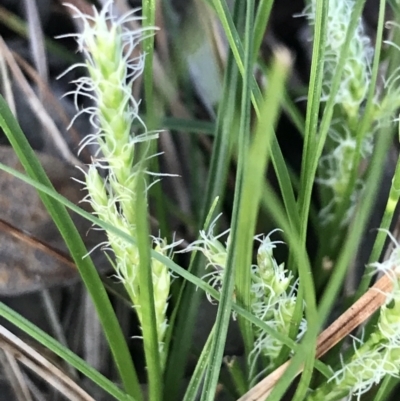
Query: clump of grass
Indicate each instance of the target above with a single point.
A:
(347, 133)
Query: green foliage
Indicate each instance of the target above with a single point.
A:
(347, 130)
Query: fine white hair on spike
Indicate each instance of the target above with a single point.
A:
(391, 236)
(98, 246)
(71, 68)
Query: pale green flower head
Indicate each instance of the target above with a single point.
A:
(268, 271)
(161, 286)
(273, 298)
(210, 245)
(357, 68)
(113, 61)
(389, 321)
(336, 166)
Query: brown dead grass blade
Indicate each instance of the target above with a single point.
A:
(37, 244)
(52, 102)
(15, 376)
(32, 359)
(36, 38)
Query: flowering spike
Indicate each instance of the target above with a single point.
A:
(273, 297)
(108, 48)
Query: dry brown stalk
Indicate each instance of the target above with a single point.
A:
(44, 368)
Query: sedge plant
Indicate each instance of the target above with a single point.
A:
(347, 132)
(116, 181)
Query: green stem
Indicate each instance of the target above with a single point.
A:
(146, 296)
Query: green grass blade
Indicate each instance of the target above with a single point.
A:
(220, 159)
(307, 289)
(197, 282)
(284, 181)
(236, 375)
(198, 374)
(312, 115)
(242, 282)
(294, 114)
(389, 383)
(313, 151)
(63, 352)
(314, 148)
(225, 131)
(244, 13)
(394, 194)
(225, 128)
(260, 24)
(78, 252)
(236, 46)
(243, 222)
(365, 125)
(271, 203)
(148, 22)
(392, 203)
(190, 126)
(358, 226)
(147, 310)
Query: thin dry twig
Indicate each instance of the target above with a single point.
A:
(36, 38)
(37, 243)
(15, 376)
(37, 106)
(41, 366)
(6, 85)
(50, 99)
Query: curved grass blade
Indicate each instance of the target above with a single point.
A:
(161, 258)
(224, 128)
(243, 224)
(63, 352)
(78, 252)
(199, 372)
